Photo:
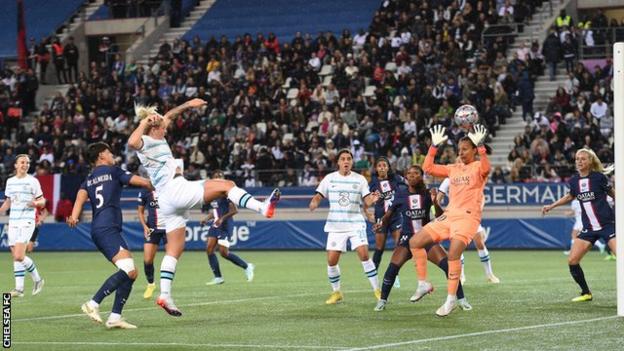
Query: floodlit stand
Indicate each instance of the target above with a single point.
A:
(618, 114)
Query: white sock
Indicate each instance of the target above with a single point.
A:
(167, 272)
(451, 298)
(484, 255)
(599, 245)
(114, 317)
(31, 268)
(93, 304)
(371, 273)
(241, 198)
(333, 273)
(19, 271)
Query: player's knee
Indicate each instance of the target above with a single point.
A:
(127, 265)
(132, 274)
(573, 261)
(18, 256)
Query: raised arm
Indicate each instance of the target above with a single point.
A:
(179, 109)
(135, 141)
(437, 138)
(141, 182)
(81, 198)
(566, 199)
(477, 136)
(484, 166)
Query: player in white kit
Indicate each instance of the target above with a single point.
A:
(479, 241)
(176, 195)
(22, 195)
(346, 191)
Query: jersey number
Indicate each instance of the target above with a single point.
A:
(99, 197)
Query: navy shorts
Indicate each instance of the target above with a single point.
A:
(395, 224)
(219, 233)
(156, 236)
(109, 243)
(606, 233)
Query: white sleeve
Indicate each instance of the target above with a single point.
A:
(7, 192)
(147, 142)
(364, 188)
(37, 188)
(444, 187)
(322, 187)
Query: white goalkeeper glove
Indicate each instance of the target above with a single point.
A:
(437, 135)
(478, 135)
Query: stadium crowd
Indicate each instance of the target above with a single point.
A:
(278, 112)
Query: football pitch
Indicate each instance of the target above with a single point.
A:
(283, 308)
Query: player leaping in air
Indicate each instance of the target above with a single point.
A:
(103, 188)
(177, 195)
(460, 221)
(590, 187)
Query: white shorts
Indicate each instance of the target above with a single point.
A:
(20, 232)
(176, 199)
(224, 242)
(578, 225)
(338, 241)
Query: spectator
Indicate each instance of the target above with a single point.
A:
(552, 52)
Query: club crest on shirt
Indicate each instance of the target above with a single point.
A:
(343, 199)
(583, 185)
(214, 204)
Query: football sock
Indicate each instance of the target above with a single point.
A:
(443, 264)
(167, 272)
(484, 255)
(371, 273)
(579, 277)
(241, 198)
(419, 256)
(111, 284)
(377, 257)
(333, 273)
(388, 280)
(31, 268)
(149, 271)
(214, 265)
(453, 276)
(236, 260)
(122, 293)
(19, 272)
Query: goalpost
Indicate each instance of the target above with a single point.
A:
(618, 114)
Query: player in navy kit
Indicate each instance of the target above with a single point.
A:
(103, 188)
(153, 232)
(414, 204)
(221, 212)
(386, 182)
(590, 187)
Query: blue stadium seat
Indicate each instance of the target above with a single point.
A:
(42, 19)
(283, 17)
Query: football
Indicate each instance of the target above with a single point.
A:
(466, 116)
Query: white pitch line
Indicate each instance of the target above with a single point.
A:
(155, 308)
(487, 332)
(168, 344)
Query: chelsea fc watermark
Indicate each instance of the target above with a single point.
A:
(6, 320)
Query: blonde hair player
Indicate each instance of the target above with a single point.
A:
(346, 191)
(177, 195)
(590, 186)
(22, 195)
(460, 222)
(479, 241)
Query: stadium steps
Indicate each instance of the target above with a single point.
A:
(84, 13)
(174, 33)
(536, 29)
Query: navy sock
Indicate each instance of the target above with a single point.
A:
(236, 260)
(214, 265)
(122, 293)
(111, 284)
(579, 277)
(443, 264)
(388, 280)
(149, 272)
(377, 257)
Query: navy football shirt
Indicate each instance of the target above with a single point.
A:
(387, 188)
(592, 191)
(415, 209)
(104, 186)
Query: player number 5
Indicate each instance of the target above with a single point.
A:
(99, 197)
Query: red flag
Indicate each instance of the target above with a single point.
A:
(22, 51)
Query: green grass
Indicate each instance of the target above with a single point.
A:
(284, 306)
